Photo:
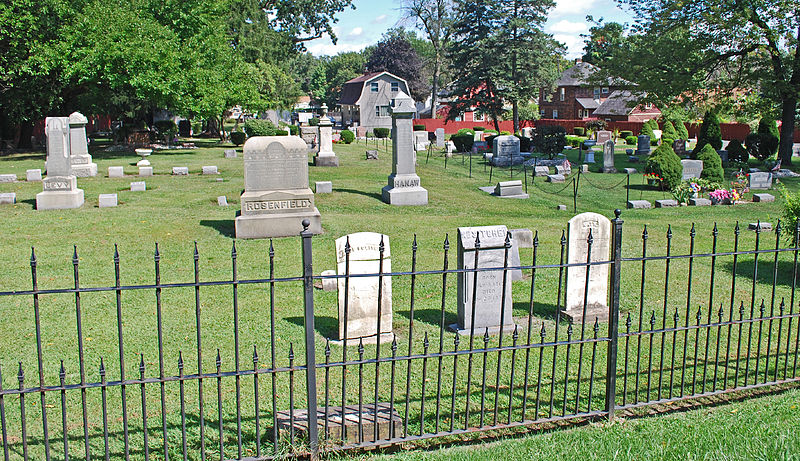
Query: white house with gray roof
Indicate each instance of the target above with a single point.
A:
(365, 100)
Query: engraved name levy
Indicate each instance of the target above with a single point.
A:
(269, 205)
(57, 185)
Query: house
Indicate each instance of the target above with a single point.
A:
(365, 100)
(575, 96)
(620, 106)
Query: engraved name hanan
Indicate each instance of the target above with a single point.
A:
(276, 205)
(411, 182)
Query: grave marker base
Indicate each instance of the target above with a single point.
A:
(59, 200)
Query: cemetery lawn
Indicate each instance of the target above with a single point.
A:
(762, 428)
(178, 211)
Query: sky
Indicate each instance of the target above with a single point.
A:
(364, 25)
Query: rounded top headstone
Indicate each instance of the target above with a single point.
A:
(77, 118)
(271, 143)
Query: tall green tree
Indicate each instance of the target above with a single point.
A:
(718, 45)
(501, 55)
(396, 55)
(602, 40)
(332, 73)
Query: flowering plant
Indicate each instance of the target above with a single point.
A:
(719, 195)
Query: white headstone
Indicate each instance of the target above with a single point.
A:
(276, 196)
(8, 177)
(760, 180)
(230, 153)
(325, 156)
(60, 186)
(8, 198)
(691, 169)
(362, 307)
(596, 299)
(323, 187)
(420, 140)
(440, 137)
(138, 186)
(608, 157)
(33, 175)
(115, 172)
(222, 200)
(404, 186)
(107, 200)
(82, 165)
(145, 171)
(212, 169)
(491, 306)
(180, 170)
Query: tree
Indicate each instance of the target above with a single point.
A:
(491, 41)
(709, 133)
(332, 73)
(602, 40)
(434, 18)
(714, 46)
(395, 54)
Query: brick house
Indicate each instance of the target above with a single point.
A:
(618, 107)
(575, 97)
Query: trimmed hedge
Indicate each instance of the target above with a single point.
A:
(631, 140)
(712, 164)
(381, 132)
(665, 163)
(347, 136)
(465, 131)
(238, 138)
(737, 152)
(579, 131)
(463, 142)
(419, 128)
(669, 133)
(624, 134)
(549, 139)
(709, 133)
(259, 127)
(770, 137)
(478, 128)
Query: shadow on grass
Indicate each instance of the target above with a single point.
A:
(30, 201)
(224, 226)
(766, 268)
(541, 310)
(327, 327)
(431, 316)
(34, 155)
(374, 195)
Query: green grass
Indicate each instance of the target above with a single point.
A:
(763, 428)
(177, 211)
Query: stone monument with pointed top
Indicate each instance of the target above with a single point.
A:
(60, 185)
(325, 156)
(80, 159)
(404, 185)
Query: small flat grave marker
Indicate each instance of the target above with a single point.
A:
(33, 175)
(180, 170)
(138, 186)
(763, 198)
(115, 172)
(107, 200)
(8, 198)
(212, 169)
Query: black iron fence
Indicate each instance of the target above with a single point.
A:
(682, 324)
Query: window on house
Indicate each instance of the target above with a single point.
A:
(597, 93)
(478, 117)
(459, 118)
(555, 113)
(541, 112)
(561, 93)
(373, 87)
(605, 90)
(381, 111)
(395, 87)
(648, 106)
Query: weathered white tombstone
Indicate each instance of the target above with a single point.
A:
(603, 136)
(180, 170)
(325, 156)
(329, 284)
(60, 186)
(490, 302)
(522, 238)
(596, 299)
(222, 200)
(107, 200)
(691, 169)
(555, 178)
(359, 304)
(608, 157)
(439, 137)
(210, 169)
(8, 198)
(33, 175)
(541, 170)
(276, 196)
(511, 188)
(451, 147)
(145, 171)
(310, 134)
(8, 177)
(138, 186)
(404, 185)
(760, 180)
(323, 187)
(116, 172)
(82, 165)
(763, 198)
(421, 141)
(505, 150)
(230, 153)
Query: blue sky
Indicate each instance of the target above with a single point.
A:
(364, 26)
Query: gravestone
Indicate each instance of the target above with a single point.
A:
(440, 137)
(490, 301)
(505, 150)
(371, 155)
(8, 198)
(310, 134)
(665, 203)
(276, 196)
(643, 145)
(323, 187)
(145, 171)
(60, 185)
(596, 295)
(222, 200)
(404, 185)
(522, 238)
(82, 165)
(329, 284)
(527, 132)
(180, 170)
(760, 226)
(325, 155)
(510, 189)
(584, 168)
(561, 207)
(230, 153)
(679, 146)
(608, 157)
(555, 178)
(691, 169)
(184, 128)
(480, 146)
(362, 307)
(421, 140)
(451, 147)
(361, 131)
(639, 204)
(603, 136)
(33, 175)
(589, 157)
(630, 170)
(138, 186)
(541, 170)
(116, 172)
(210, 169)
(763, 198)
(8, 177)
(107, 200)
(699, 201)
(760, 180)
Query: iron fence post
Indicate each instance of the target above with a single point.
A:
(311, 361)
(613, 317)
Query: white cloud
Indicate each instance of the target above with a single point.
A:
(573, 42)
(567, 7)
(380, 19)
(568, 27)
(329, 49)
(356, 32)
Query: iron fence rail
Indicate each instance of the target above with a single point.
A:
(430, 383)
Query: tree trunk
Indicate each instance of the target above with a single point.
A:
(496, 124)
(787, 130)
(212, 127)
(515, 103)
(222, 127)
(25, 132)
(435, 89)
